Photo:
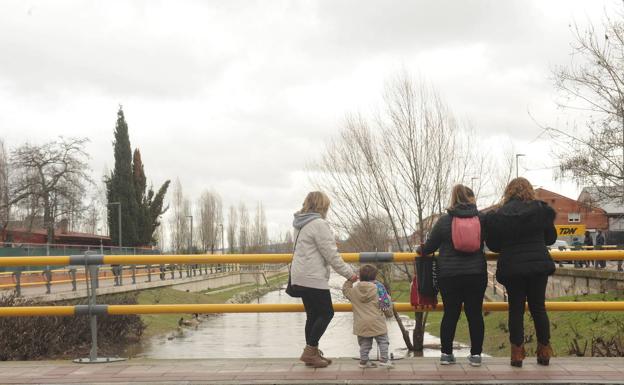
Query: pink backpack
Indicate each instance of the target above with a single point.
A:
(466, 234)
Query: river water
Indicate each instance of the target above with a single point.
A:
(237, 335)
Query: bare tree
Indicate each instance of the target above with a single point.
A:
(232, 229)
(179, 225)
(243, 228)
(288, 242)
(52, 176)
(210, 218)
(5, 208)
(594, 83)
(398, 174)
(259, 238)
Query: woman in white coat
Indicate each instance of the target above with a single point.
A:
(315, 252)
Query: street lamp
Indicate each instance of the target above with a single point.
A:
(472, 182)
(517, 156)
(191, 240)
(118, 218)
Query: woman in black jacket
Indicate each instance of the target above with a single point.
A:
(520, 230)
(462, 275)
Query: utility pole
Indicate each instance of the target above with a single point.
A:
(517, 156)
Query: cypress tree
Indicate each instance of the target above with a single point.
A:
(120, 187)
(150, 205)
(141, 208)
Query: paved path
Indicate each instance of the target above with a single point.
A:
(288, 371)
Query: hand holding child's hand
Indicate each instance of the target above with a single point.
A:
(354, 278)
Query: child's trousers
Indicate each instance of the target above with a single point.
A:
(366, 344)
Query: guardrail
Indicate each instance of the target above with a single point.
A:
(161, 270)
(91, 262)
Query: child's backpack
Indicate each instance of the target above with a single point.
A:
(466, 234)
(424, 289)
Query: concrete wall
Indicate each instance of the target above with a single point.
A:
(259, 277)
(570, 281)
(212, 281)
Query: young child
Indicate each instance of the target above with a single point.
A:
(371, 306)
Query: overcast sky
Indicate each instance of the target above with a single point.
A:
(239, 96)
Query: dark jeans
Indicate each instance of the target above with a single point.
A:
(531, 289)
(319, 310)
(467, 290)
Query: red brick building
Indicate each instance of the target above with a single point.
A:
(19, 233)
(570, 211)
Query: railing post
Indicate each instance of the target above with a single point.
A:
(93, 272)
(149, 272)
(72, 274)
(133, 274)
(48, 279)
(92, 310)
(18, 281)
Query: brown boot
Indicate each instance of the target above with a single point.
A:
(543, 352)
(517, 355)
(312, 358)
(329, 361)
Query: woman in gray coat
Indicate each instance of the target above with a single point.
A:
(315, 252)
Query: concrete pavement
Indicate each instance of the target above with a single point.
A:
(290, 371)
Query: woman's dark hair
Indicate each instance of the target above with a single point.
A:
(368, 273)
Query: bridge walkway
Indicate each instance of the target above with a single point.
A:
(290, 371)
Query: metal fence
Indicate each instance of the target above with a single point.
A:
(92, 262)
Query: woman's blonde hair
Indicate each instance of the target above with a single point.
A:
(461, 194)
(316, 202)
(520, 189)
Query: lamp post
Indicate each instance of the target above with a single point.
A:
(472, 182)
(517, 156)
(118, 219)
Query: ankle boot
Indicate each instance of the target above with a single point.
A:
(312, 358)
(517, 355)
(543, 352)
(329, 361)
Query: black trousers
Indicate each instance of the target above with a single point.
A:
(467, 290)
(319, 311)
(531, 289)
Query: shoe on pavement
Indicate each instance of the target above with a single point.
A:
(447, 359)
(474, 359)
(386, 364)
(367, 364)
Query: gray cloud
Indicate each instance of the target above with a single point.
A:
(239, 96)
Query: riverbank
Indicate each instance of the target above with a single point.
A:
(571, 332)
(157, 324)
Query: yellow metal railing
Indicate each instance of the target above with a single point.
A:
(23, 311)
(575, 255)
(91, 263)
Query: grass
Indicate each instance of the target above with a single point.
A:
(564, 326)
(162, 323)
